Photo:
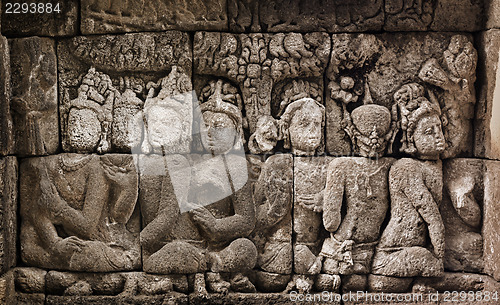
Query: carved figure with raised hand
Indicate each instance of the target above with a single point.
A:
(204, 230)
(78, 217)
(415, 187)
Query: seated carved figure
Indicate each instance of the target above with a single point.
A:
(77, 213)
(360, 185)
(204, 228)
(415, 187)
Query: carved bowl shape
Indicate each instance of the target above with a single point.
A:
(366, 117)
(84, 129)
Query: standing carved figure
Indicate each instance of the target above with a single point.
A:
(415, 187)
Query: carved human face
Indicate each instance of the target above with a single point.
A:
(428, 137)
(305, 129)
(164, 127)
(219, 132)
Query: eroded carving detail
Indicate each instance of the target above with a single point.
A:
(80, 214)
(416, 192)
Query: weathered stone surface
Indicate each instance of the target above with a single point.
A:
(487, 118)
(147, 76)
(461, 16)
(63, 23)
(388, 284)
(113, 16)
(6, 128)
(29, 280)
(492, 14)
(34, 95)
(461, 213)
(310, 174)
(267, 298)
(198, 209)
(258, 62)
(78, 213)
(119, 283)
(358, 186)
(435, 15)
(8, 211)
(273, 192)
(415, 187)
(378, 69)
(7, 290)
(457, 281)
(174, 299)
(305, 16)
(491, 230)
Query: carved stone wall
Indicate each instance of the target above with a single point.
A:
(248, 151)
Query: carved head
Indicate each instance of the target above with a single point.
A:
(222, 121)
(370, 129)
(265, 137)
(168, 115)
(303, 122)
(420, 121)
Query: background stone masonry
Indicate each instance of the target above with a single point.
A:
(84, 221)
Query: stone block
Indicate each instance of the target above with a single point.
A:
(29, 280)
(492, 14)
(79, 213)
(268, 298)
(305, 16)
(384, 69)
(34, 95)
(7, 290)
(487, 118)
(435, 15)
(6, 128)
(45, 21)
(100, 17)
(8, 213)
(115, 91)
(491, 221)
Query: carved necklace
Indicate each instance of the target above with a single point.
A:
(71, 166)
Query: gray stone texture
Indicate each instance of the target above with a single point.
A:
(461, 212)
(366, 68)
(490, 230)
(64, 23)
(110, 85)
(492, 14)
(8, 211)
(305, 16)
(487, 117)
(112, 16)
(6, 128)
(78, 212)
(34, 95)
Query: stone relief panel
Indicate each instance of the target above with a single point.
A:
(78, 213)
(366, 69)
(305, 16)
(112, 16)
(114, 91)
(34, 95)
(8, 209)
(257, 62)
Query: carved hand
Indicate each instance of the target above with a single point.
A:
(205, 220)
(67, 246)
